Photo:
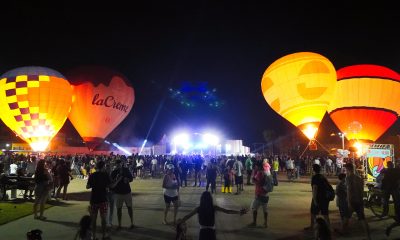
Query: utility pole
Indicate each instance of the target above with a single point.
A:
(341, 135)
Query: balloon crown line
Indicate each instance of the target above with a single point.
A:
(36, 101)
(303, 86)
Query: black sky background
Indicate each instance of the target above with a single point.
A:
(228, 44)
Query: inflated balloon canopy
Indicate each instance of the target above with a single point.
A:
(368, 95)
(102, 99)
(299, 87)
(34, 103)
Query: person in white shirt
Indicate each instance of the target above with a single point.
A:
(329, 166)
(238, 169)
(13, 168)
(290, 168)
(316, 161)
(154, 167)
(139, 168)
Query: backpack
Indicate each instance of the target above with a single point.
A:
(329, 191)
(268, 184)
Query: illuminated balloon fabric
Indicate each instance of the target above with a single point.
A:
(376, 164)
(99, 108)
(34, 103)
(299, 87)
(368, 94)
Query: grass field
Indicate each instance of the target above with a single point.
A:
(12, 211)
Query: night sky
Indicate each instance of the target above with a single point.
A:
(228, 45)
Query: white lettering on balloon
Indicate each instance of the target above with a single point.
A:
(110, 102)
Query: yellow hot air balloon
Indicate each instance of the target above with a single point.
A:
(299, 87)
(34, 103)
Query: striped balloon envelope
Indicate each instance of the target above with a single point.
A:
(35, 103)
(366, 102)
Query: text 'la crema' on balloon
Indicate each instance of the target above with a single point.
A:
(103, 99)
(34, 103)
(367, 101)
(299, 87)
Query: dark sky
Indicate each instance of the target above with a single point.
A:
(228, 44)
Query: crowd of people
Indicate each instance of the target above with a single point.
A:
(109, 177)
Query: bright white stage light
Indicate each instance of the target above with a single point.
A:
(210, 139)
(181, 139)
(228, 147)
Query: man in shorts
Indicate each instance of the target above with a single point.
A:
(99, 181)
(355, 191)
(122, 191)
(261, 196)
(319, 203)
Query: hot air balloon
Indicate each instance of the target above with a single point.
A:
(367, 101)
(103, 98)
(299, 87)
(34, 103)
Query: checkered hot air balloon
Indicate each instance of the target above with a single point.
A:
(34, 103)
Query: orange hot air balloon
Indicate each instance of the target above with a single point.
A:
(103, 98)
(34, 103)
(366, 102)
(299, 87)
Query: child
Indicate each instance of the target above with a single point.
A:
(84, 232)
(227, 181)
(34, 235)
(181, 229)
(341, 202)
(321, 230)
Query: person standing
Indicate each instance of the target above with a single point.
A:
(42, 189)
(211, 175)
(341, 203)
(249, 169)
(391, 187)
(198, 162)
(227, 181)
(183, 170)
(275, 170)
(122, 191)
(99, 181)
(290, 168)
(261, 196)
(206, 212)
(319, 202)
(266, 167)
(339, 164)
(329, 166)
(355, 192)
(140, 168)
(13, 168)
(171, 192)
(154, 163)
(238, 170)
(64, 177)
